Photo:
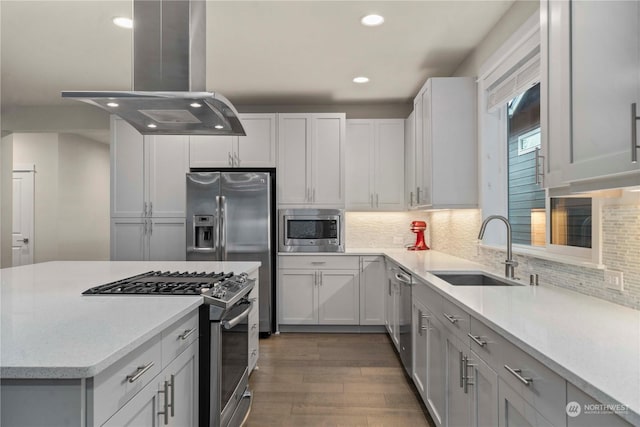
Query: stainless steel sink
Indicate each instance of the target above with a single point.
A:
(472, 279)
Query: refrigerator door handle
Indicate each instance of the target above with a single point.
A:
(216, 230)
(223, 228)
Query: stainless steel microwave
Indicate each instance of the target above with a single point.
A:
(311, 230)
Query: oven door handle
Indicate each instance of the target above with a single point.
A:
(228, 324)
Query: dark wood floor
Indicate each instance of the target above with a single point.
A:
(332, 380)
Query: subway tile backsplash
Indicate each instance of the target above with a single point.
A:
(455, 232)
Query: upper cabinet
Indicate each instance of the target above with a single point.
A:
(445, 148)
(147, 173)
(593, 79)
(311, 159)
(255, 150)
(374, 165)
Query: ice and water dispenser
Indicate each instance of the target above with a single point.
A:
(203, 230)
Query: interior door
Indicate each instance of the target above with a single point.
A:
(22, 242)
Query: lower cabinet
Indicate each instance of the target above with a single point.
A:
(372, 288)
(318, 297)
(586, 417)
(515, 411)
(172, 399)
(151, 239)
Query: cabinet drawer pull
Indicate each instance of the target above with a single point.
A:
(318, 262)
(462, 364)
(139, 372)
(516, 373)
(183, 336)
(165, 406)
(451, 318)
(477, 340)
(634, 131)
(173, 395)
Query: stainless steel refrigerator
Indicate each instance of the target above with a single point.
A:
(230, 217)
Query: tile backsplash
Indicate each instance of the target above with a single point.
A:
(455, 232)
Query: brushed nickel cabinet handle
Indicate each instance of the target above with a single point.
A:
(318, 262)
(411, 198)
(634, 133)
(377, 200)
(518, 374)
(418, 195)
(477, 340)
(144, 209)
(139, 372)
(150, 208)
(450, 318)
(371, 199)
(467, 378)
(183, 336)
(173, 395)
(165, 406)
(462, 362)
(230, 158)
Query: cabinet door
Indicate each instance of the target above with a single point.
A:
(605, 59)
(514, 411)
(167, 239)
(388, 171)
(581, 419)
(128, 239)
(410, 160)
(436, 371)
(127, 170)
(458, 410)
(359, 164)
(327, 159)
(483, 392)
(184, 396)
(372, 291)
(211, 151)
(141, 410)
(297, 297)
(294, 135)
(338, 297)
(418, 117)
(258, 148)
(420, 327)
(168, 160)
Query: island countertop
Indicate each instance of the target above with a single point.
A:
(48, 329)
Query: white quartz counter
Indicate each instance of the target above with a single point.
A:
(48, 329)
(592, 343)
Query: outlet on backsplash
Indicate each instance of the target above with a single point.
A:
(613, 280)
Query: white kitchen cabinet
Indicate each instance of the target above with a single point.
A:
(148, 407)
(458, 404)
(436, 371)
(311, 159)
(147, 173)
(410, 160)
(318, 297)
(420, 341)
(583, 419)
(255, 150)
(515, 411)
(155, 239)
(372, 288)
(318, 290)
(483, 392)
(590, 45)
(375, 164)
(446, 174)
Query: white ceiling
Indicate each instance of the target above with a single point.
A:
(258, 52)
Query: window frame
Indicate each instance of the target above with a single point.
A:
(493, 139)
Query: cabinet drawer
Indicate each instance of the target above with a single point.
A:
(453, 318)
(333, 262)
(427, 296)
(546, 391)
(176, 339)
(117, 384)
(487, 344)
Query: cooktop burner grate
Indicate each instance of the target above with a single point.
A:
(162, 283)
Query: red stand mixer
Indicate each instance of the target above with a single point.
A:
(419, 227)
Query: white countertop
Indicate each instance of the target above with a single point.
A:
(49, 330)
(592, 343)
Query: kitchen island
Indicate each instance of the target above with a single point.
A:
(60, 348)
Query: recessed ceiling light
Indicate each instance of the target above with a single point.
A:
(372, 20)
(361, 79)
(195, 105)
(219, 127)
(123, 22)
(112, 104)
(152, 126)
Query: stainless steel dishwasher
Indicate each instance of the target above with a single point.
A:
(404, 282)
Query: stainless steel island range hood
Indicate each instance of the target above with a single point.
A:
(169, 61)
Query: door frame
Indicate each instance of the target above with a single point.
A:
(31, 169)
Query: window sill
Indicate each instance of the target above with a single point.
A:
(545, 255)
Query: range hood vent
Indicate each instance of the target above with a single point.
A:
(169, 58)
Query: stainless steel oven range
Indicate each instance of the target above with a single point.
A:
(225, 399)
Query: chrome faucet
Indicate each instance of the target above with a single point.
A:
(510, 264)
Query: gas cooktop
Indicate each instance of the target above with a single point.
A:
(220, 289)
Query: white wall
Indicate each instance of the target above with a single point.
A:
(71, 195)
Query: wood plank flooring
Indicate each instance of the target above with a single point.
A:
(332, 380)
